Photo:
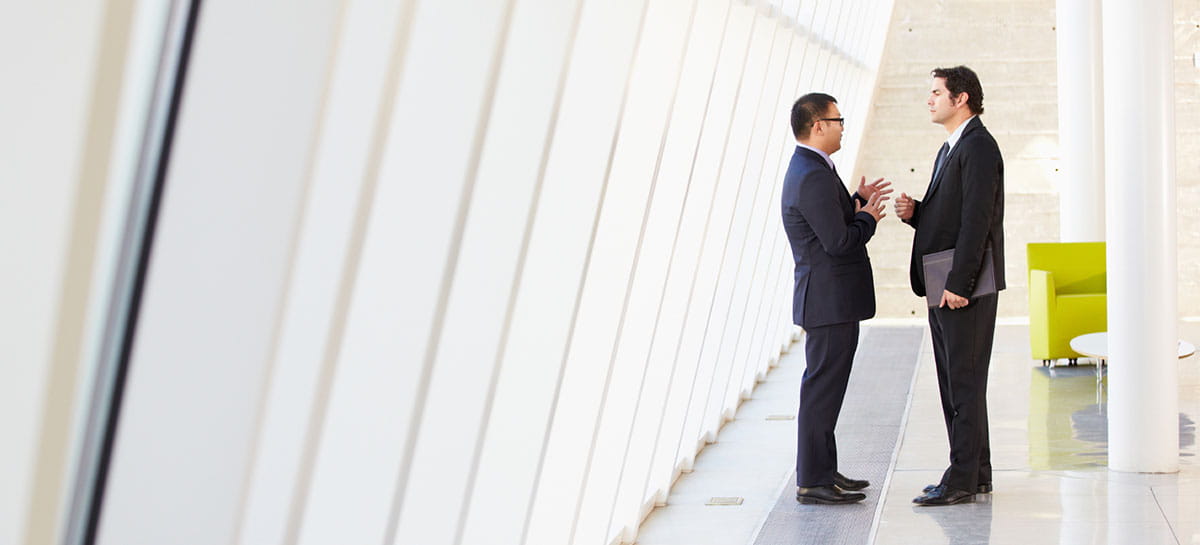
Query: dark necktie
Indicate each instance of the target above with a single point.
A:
(941, 159)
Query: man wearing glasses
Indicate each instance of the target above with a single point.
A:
(963, 210)
(828, 229)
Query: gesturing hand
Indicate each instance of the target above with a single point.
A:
(874, 206)
(905, 206)
(879, 186)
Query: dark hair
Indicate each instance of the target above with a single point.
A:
(807, 110)
(959, 80)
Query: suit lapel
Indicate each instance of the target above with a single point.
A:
(935, 182)
(849, 198)
(821, 161)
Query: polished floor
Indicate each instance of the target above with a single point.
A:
(1048, 437)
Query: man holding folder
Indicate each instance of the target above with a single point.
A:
(963, 211)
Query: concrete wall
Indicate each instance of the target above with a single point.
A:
(1011, 45)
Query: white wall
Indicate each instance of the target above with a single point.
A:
(449, 272)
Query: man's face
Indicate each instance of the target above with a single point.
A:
(941, 107)
(831, 131)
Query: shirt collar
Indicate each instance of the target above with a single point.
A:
(823, 155)
(954, 136)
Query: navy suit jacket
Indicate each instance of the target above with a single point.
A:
(829, 245)
(963, 209)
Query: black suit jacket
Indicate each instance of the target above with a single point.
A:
(828, 239)
(963, 209)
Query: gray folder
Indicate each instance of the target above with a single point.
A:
(937, 268)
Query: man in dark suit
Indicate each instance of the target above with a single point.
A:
(828, 230)
(964, 210)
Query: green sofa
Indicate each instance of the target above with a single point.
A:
(1067, 287)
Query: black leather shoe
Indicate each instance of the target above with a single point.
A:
(941, 495)
(983, 488)
(827, 494)
(846, 483)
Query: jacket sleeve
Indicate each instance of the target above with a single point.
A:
(825, 212)
(981, 170)
(915, 220)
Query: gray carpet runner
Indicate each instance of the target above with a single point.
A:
(867, 431)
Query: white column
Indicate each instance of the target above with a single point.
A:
(1143, 421)
(1080, 122)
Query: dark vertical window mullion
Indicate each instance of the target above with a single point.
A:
(132, 267)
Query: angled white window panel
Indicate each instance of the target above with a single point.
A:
(860, 27)
(778, 288)
(211, 304)
(840, 63)
(818, 73)
(643, 318)
(729, 227)
(865, 28)
(439, 475)
(608, 289)
(823, 19)
(755, 190)
(699, 227)
(821, 43)
(812, 52)
(756, 261)
(301, 364)
(760, 300)
(806, 18)
(781, 313)
(766, 351)
(791, 10)
(851, 24)
(560, 248)
(370, 442)
(775, 107)
(783, 329)
(49, 54)
(840, 25)
(527, 98)
(677, 169)
(134, 105)
(778, 150)
(842, 47)
(853, 139)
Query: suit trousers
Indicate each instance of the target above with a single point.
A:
(829, 351)
(962, 350)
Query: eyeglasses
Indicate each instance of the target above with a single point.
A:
(841, 120)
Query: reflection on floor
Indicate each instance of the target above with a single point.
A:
(1067, 423)
(1049, 451)
(1068, 420)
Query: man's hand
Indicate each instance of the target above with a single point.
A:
(953, 301)
(874, 206)
(865, 190)
(905, 206)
